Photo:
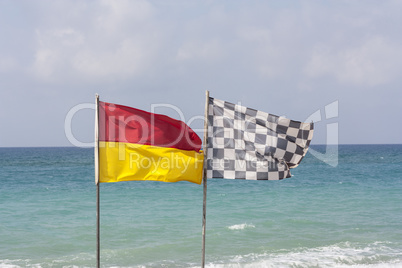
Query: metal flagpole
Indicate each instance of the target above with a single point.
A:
(204, 177)
(97, 181)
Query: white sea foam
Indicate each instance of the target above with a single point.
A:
(343, 255)
(6, 264)
(241, 226)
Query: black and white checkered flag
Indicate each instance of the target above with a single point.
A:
(244, 143)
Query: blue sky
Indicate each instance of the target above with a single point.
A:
(291, 58)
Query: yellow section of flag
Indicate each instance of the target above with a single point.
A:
(121, 161)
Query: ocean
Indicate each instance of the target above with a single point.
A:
(348, 215)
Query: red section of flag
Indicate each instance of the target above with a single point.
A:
(125, 124)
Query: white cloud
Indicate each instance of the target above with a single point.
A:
(374, 62)
(262, 54)
(54, 49)
(125, 39)
(202, 50)
(130, 57)
(118, 41)
(177, 49)
(68, 37)
(117, 15)
(45, 63)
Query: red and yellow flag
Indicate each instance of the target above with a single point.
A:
(137, 145)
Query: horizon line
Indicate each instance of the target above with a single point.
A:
(91, 147)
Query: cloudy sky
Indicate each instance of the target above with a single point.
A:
(335, 62)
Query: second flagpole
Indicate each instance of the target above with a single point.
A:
(204, 177)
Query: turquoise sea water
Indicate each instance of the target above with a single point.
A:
(324, 216)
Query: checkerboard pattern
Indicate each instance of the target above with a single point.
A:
(244, 143)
